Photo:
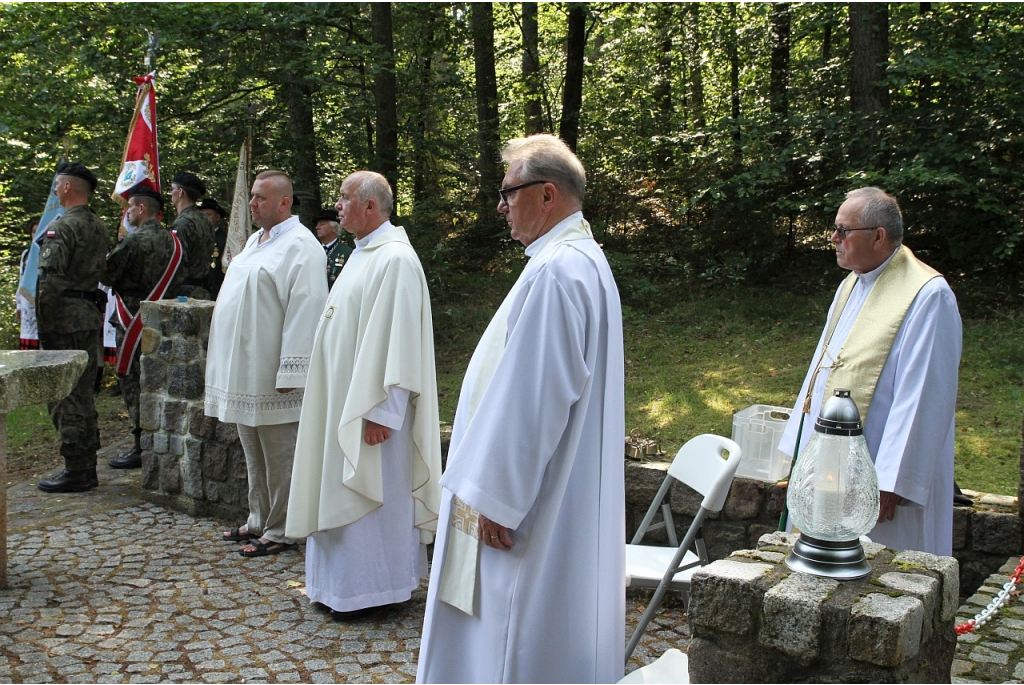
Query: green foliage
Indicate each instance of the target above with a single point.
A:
(674, 177)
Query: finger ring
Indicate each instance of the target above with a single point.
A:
(493, 536)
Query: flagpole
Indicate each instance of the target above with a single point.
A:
(154, 41)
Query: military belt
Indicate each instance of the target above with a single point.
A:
(94, 296)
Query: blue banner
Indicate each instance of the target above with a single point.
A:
(52, 210)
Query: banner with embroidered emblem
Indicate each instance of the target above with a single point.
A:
(140, 164)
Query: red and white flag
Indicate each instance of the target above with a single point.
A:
(140, 163)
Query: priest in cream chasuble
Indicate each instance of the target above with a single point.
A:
(368, 456)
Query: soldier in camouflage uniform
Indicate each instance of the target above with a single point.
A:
(327, 229)
(195, 233)
(70, 316)
(133, 269)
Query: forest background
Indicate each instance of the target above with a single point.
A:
(719, 140)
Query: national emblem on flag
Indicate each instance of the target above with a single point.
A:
(141, 163)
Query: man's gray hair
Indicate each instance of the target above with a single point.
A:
(545, 157)
(879, 209)
(372, 186)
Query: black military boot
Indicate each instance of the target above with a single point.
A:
(132, 459)
(70, 481)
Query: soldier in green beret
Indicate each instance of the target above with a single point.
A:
(69, 311)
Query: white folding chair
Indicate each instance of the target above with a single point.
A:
(702, 464)
(671, 667)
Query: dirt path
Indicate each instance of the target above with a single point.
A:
(40, 454)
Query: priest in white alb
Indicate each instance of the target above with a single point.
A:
(893, 337)
(368, 457)
(260, 339)
(527, 577)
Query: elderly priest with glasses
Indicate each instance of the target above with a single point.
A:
(893, 337)
(527, 578)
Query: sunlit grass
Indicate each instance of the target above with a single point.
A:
(690, 367)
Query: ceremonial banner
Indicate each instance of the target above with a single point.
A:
(29, 274)
(140, 163)
(240, 223)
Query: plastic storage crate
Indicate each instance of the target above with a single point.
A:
(758, 431)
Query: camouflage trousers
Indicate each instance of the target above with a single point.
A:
(75, 416)
(131, 386)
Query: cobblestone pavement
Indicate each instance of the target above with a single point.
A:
(105, 587)
(995, 652)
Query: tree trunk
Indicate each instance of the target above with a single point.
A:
(869, 42)
(481, 237)
(779, 16)
(385, 95)
(732, 53)
(532, 114)
(778, 98)
(424, 164)
(572, 95)
(695, 66)
(298, 94)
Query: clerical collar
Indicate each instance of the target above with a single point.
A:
(868, 278)
(372, 235)
(328, 246)
(279, 230)
(538, 244)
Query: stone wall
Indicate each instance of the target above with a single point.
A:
(195, 464)
(983, 535)
(755, 621)
(190, 462)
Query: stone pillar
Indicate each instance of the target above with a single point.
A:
(190, 461)
(1020, 481)
(30, 377)
(755, 620)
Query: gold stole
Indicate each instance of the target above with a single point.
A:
(859, 363)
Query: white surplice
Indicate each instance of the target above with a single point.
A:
(542, 456)
(262, 328)
(369, 510)
(910, 426)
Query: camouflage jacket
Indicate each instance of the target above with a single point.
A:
(336, 258)
(71, 257)
(138, 262)
(196, 235)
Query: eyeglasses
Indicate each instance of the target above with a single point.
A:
(843, 231)
(505, 191)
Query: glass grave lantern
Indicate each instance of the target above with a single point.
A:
(833, 494)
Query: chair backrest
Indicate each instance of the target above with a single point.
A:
(703, 465)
